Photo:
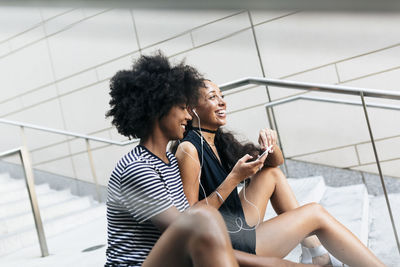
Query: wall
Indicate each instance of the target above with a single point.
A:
(55, 64)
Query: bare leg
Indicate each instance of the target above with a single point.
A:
(278, 236)
(197, 238)
(271, 183)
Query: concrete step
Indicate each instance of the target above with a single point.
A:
(4, 176)
(66, 249)
(59, 210)
(381, 236)
(26, 237)
(22, 205)
(11, 185)
(21, 192)
(14, 223)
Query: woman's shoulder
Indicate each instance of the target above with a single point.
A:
(135, 159)
(187, 145)
(186, 148)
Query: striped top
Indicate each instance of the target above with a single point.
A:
(140, 187)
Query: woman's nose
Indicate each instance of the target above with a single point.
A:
(221, 101)
(188, 116)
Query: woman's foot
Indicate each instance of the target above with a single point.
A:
(318, 255)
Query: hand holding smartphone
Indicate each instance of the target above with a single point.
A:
(268, 150)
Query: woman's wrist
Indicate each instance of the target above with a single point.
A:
(235, 178)
(221, 199)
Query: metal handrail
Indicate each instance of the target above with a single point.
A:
(242, 82)
(67, 133)
(289, 99)
(87, 138)
(338, 89)
(30, 185)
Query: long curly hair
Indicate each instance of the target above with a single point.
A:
(148, 91)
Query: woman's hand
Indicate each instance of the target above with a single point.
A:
(245, 168)
(266, 138)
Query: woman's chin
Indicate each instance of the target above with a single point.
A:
(221, 122)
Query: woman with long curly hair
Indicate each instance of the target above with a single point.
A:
(210, 160)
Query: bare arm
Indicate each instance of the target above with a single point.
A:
(189, 165)
(274, 159)
(165, 218)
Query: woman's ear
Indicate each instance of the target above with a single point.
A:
(192, 111)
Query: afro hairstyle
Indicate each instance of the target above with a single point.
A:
(148, 91)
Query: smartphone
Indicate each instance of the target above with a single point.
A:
(266, 151)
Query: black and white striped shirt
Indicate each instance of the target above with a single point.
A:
(140, 187)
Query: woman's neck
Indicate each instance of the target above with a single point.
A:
(157, 144)
(208, 135)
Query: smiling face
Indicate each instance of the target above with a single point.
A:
(211, 107)
(173, 124)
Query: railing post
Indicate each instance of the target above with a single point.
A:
(270, 111)
(29, 179)
(359, 163)
(280, 144)
(23, 136)
(380, 170)
(91, 162)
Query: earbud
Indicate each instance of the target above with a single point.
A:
(194, 111)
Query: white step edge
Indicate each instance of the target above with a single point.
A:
(22, 205)
(27, 237)
(15, 223)
(381, 236)
(4, 177)
(12, 185)
(22, 192)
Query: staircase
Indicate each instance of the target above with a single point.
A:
(62, 213)
(74, 225)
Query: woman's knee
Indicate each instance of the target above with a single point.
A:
(207, 229)
(272, 172)
(316, 211)
(202, 220)
(205, 215)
